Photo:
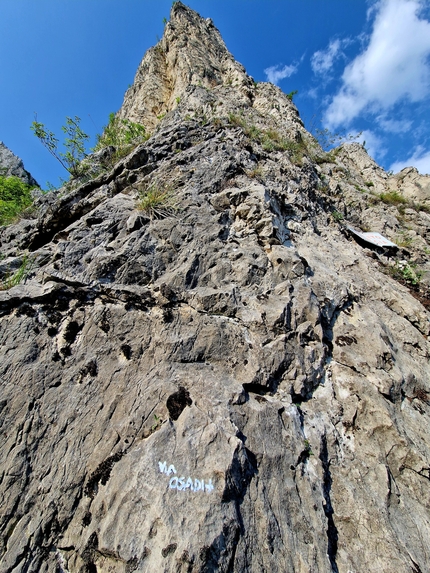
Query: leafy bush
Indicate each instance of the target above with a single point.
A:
(15, 197)
(74, 144)
(337, 216)
(122, 134)
(407, 273)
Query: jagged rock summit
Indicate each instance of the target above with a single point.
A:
(10, 164)
(225, 381)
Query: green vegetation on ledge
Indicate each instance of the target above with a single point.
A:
(15, 197)
(270, 139)
(157, 201)
(122, 134)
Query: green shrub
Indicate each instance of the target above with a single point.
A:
(291, 95)
(74, 144)
(15, 197)
(407, 273)
(122, 134)
(337, 216)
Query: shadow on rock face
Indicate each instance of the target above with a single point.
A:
(177, 402)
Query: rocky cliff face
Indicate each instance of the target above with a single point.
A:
(10, 164)
(227, 382)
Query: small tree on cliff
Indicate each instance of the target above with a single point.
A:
(74, 144)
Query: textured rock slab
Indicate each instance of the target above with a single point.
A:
(233, 385)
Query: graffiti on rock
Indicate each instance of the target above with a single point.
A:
(181, 483)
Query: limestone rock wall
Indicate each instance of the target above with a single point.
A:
(231, 385)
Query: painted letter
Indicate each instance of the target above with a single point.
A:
(173, 483)
(197, 485)
(189, 484)
(171, 470)
(209, 486)
(163, 467)
(180, 485)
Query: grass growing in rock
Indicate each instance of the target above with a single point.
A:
(256, 173)
(270, 139)
(392, 198)
(14, 279)
(326, 156)
(157, 201)
(15, 198)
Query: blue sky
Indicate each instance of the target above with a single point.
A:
(358, 66)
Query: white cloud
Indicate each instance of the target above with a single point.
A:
(394, 125)
(275, 75)
(419, 159)
(322, 61)
(394, 65)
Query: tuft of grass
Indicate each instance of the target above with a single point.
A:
(157, 201)
(326, 157)
(420, 207)
(217, 122)
(360, 189)
(14, 279)
(270, 139)
(392, 198)
(403, 240)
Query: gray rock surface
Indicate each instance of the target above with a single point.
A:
(231, 385)
(10, 164)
